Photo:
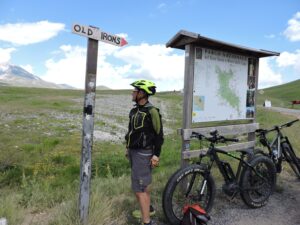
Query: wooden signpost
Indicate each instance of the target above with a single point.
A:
(94, 35)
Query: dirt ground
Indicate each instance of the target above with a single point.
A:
(282, 208)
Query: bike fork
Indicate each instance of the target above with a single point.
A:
(202, 187)
(204, 183)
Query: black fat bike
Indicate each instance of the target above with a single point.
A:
(254, 179)
(279, 148)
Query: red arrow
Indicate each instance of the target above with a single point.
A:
(123, 42)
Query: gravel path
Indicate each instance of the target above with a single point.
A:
(292, 112)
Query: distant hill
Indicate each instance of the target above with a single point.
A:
(13, 75)
(281, 95)
(102, 87)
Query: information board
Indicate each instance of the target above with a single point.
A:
(222, 86)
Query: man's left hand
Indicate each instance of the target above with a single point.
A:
(154, 161)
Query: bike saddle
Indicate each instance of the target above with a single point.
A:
(213, 132)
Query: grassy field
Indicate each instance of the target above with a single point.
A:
(40, 148)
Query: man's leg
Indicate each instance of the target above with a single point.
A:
(144, 201)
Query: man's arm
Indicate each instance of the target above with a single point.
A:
(129, 128)
(157, 126)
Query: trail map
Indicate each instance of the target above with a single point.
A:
(220, 86)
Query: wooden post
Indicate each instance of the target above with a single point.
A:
(88, 129)
(188, 96)
(251, 135)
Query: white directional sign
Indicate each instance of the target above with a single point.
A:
(97, 34)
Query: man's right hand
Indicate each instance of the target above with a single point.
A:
(126, 153)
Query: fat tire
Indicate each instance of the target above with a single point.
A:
(248, 178)
(277, 164)
(291, 158)
(175, 181)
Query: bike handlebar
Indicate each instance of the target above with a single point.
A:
(215, 137)
(288, 124)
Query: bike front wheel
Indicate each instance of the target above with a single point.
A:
(291, 158)
(189, 185)
(258, 181)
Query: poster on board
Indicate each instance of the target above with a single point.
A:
(221, 86)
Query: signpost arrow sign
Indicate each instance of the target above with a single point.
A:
(96, 34)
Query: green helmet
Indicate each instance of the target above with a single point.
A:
(145, 85)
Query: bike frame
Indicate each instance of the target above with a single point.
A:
(214, 157)
(277, 142)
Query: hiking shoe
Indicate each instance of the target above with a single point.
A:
(137, 213)
(152, 222)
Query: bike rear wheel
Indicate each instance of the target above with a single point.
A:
(257, 184)
(291, 158)
(188, 185)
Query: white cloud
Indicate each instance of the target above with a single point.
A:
(155, 62)
(118, 67)
(29, 33)
(292, 32)
(5, 54)
(267, 77)
(162, 7)
(270, 36)
(28, 68)
(287, 59)
(70, 69)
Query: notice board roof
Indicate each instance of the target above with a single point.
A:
(183, 38)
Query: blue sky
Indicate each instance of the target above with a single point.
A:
(37, 35)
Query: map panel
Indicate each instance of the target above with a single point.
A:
(220, 86)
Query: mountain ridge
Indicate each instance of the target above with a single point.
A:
(13, 75)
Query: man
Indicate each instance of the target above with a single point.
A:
(144, 140)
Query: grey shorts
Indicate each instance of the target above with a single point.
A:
(141, 175)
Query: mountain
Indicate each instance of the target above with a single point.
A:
(102, 87)
(12, 75)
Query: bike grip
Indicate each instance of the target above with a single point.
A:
(290, 123)
(260, 130)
